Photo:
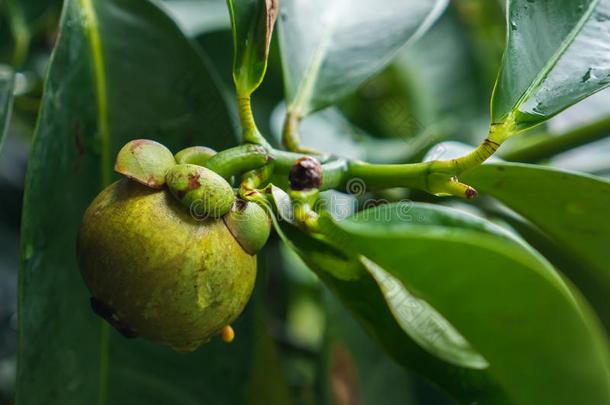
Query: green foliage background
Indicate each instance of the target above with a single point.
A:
(296, 342)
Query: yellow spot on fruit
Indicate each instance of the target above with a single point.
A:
(227, 334)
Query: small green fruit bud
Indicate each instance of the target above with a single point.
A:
(145, 161)
(155, 271)
(203, 191)
(249, 224)
(196, 155)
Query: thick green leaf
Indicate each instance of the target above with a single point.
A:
(329, 48)
(571, 208)
(7, 85)
(423, 323)
(557, 54)
(111, 81)
(252, 22)
(354, 285)
(542, 343)
(416, 318)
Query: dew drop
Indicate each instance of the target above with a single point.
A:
(513, 26)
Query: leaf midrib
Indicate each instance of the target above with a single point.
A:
(548, 68)
(91, 28)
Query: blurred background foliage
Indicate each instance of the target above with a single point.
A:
(436, 90)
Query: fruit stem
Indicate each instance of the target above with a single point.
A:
(238, 160)
(254, 179)
(304, 202)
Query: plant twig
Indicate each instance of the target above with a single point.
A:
(238, 160)
(554, 145)
(439, 177)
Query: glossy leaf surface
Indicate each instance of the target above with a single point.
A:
(329, 48)
(486, 283)
(350, 281)
(104, 63)
(572, 209)
(558, 52)
(252, 23)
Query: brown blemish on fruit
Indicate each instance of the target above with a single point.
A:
(240, 204)
(193, 182)
(139, 142)
(108, 314)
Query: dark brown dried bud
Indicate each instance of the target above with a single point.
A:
(305, 174)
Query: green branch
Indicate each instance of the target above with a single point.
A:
(238, 160)
(439, 177)
(554, 145)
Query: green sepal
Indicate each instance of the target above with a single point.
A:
(145, 161)
(250, 225)
(202, 191)
(196, 155)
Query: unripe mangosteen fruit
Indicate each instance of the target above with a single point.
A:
(156, 271)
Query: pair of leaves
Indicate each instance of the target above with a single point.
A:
(557, 54)
(109, 82)
(542, 344)
(570, 208)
